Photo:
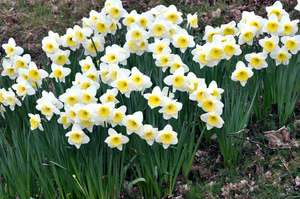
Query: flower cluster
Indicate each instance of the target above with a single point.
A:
(93, 97)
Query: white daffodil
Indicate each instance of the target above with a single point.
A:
(183, 40)
(177, 80)
(94, 45)
(288, 27)
(200, 56)
(160, 46)
(272, 26)
(9, 69)
(116, 140)
(35, 75)
(281, 56)
(164, 61)
(192, 20)
(35, 122)
(247, 34)
(167, 137)
(170, 108)
(136, 34)
(159, 28)
(61, 57)
(130, 18)
(229, 29)
(84, 113)
(200, 93)
(230, 47)
(292, 44)
(257, 60)
(80, 34)
(70, 97)
(139, 80)
(11, 99)
(252, 20)
(21, 61)
(64, 120)
(276, 10)
(23, 88)
(194, 82)
(177, 63)
(114, 55)
(144, 19)
(155, 98)
(269, 44)
(11, 49)
(214, 91)
(104, 111)
(123, 83)
(77, 137)
(241, 73)
(110, 96)
(149, 134)
(59, 72)
(134, 123)
(210, 32)
(47, 109)
(83, 82)
(211, 104)
(212, 120)
(69, 40)
(87, 64)
(88, 96)
(118, 116)
(172, 15)
(50, 45)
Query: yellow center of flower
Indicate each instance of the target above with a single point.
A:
(171, 109)
(269, 46)
(71, 100)
(229, 49)
(122, 85)
(46, 110)
(34, 122)
(103, 111)
(137, 79)
(76, 137)
(215, 53)
(115, 140)
(272, 26)
(118, 117)
(101, 27)
(212, 120)
(57, 73)
(228, 31)
(256, 62)
(61, 60)
(132, 125)
(154, 100)
(182, 41)
(248, 36)
(20, 64)
(208, 105)
(291, 45)
(242, 75)
(84, 115)
(158, 30)
(167, 137)
(178, 81)
(34, 74)
(282, 57)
